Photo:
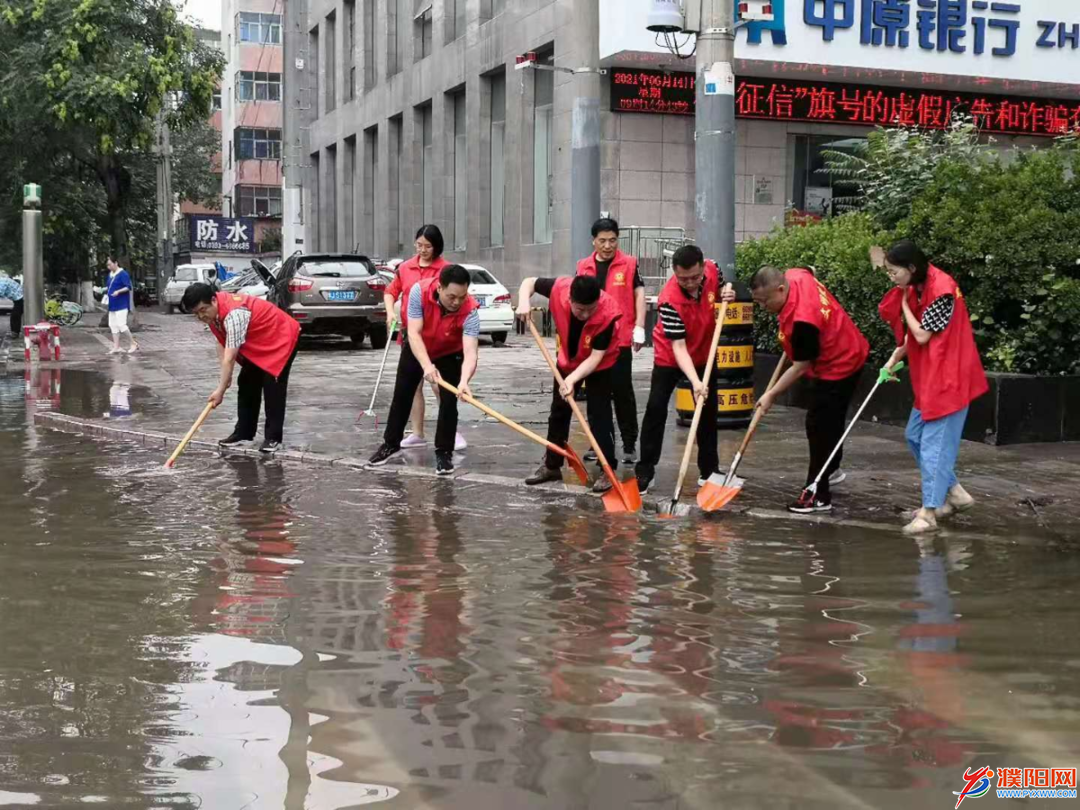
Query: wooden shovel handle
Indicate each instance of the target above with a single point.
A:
(757, 411)
(510, 423)
(692, 439)
(191, 433)
(581, 418)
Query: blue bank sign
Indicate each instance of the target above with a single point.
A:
(220, 233)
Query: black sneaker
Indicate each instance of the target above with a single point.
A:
(810, 507)
(270, 447)
(590, 456)
(383, 455)
(231, 439)
(629, 456)
(444, 463)
(643, 483)
(601, 485)
(543, 475)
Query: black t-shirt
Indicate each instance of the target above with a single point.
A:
(602, 342)
(602, 271)
(805, 342)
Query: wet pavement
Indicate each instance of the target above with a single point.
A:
(251, 633)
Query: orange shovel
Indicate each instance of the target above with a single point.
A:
(621, 497)
(566, 452)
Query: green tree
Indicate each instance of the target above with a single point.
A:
(92, 77)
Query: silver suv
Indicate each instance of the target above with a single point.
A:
(330, 294)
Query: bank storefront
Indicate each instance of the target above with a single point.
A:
(818, 78)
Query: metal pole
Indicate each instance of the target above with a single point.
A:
(714, 136)
(585, 127)
(33, 270)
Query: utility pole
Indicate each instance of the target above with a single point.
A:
(33, 282)
(714, 135)
(585, 127)
(297, 114)
(163, 149)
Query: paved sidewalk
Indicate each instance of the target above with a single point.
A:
(1024, 492)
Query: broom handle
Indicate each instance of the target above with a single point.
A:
(843, 438)
(187, 438)
(701, 403)
(524, 431)
(610, 473)
(382, 366)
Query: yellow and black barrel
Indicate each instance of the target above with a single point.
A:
(734, 368)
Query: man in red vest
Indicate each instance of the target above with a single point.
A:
(443, 343)
(618, 276)
(825, 345)
(263, 339)
(587, 322)
(682, 339)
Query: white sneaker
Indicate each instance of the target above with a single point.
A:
(412, 440)
(116, 351)
(459, 442)
(837, 478)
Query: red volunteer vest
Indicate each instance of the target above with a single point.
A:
(410, 273)
(443, 332)
(271, 336)
(620, 286)
(606, 312)
(946, 374)
(699, 317)
(843, 348)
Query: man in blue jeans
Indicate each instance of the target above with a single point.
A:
(12, 290)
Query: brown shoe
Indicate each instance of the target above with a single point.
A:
(543, 475)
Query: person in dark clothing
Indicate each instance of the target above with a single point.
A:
(825, 345)
(617, 275)
(586, 321)
(13, 291)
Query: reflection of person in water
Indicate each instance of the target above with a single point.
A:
(120, 392)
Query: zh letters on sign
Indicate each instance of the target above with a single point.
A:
(219, 233)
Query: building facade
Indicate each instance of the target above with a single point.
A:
(411, 111)
(251, 116)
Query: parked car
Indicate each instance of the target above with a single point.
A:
(496, 305)
(184, 277)
(330, 294)
(250, 282)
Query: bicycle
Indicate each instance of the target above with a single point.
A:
(63, 313)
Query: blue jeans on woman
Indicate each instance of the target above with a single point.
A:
(936, 445)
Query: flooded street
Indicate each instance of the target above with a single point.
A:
(241, 633)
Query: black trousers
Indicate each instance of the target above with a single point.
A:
(598, 412)
(253, 385)
(826, 419)
(664, 381)
(17, 316)
(622, 391)
(409, 377)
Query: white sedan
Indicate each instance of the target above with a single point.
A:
(496, 306)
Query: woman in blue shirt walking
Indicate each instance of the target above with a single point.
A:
(119, 300)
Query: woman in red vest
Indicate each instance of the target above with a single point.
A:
(443, 339)
(263, 339)
(586, 321)
(825, 346)
(927, 313)
(426, 264)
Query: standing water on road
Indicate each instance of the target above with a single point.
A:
(243, 634)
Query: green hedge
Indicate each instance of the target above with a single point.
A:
(1006, 226)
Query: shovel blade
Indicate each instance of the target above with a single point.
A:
(669, 510)
(715, 495)
(577, 465)
(623, 497)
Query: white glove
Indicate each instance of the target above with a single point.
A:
(639, 336)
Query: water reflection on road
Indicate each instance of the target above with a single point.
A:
(240, 633)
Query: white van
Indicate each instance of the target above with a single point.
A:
(185, 276)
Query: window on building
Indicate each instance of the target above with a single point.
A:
(425, 28)
(814, 189)
(543, 149)
(371, 170)
(498, 155)
(258, 144)
(369, 44)
(461, 173)
(258, 86)
(264, 29)
(455, 19)
(400, 14)
(348, 198)
(259, 201)
(349, 67)
(427, 165)
(330, 69)
(215, 100)
(398, 218)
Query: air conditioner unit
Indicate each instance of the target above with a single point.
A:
(665, 17)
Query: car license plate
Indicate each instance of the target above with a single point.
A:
(341, 295)
(481, 300)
